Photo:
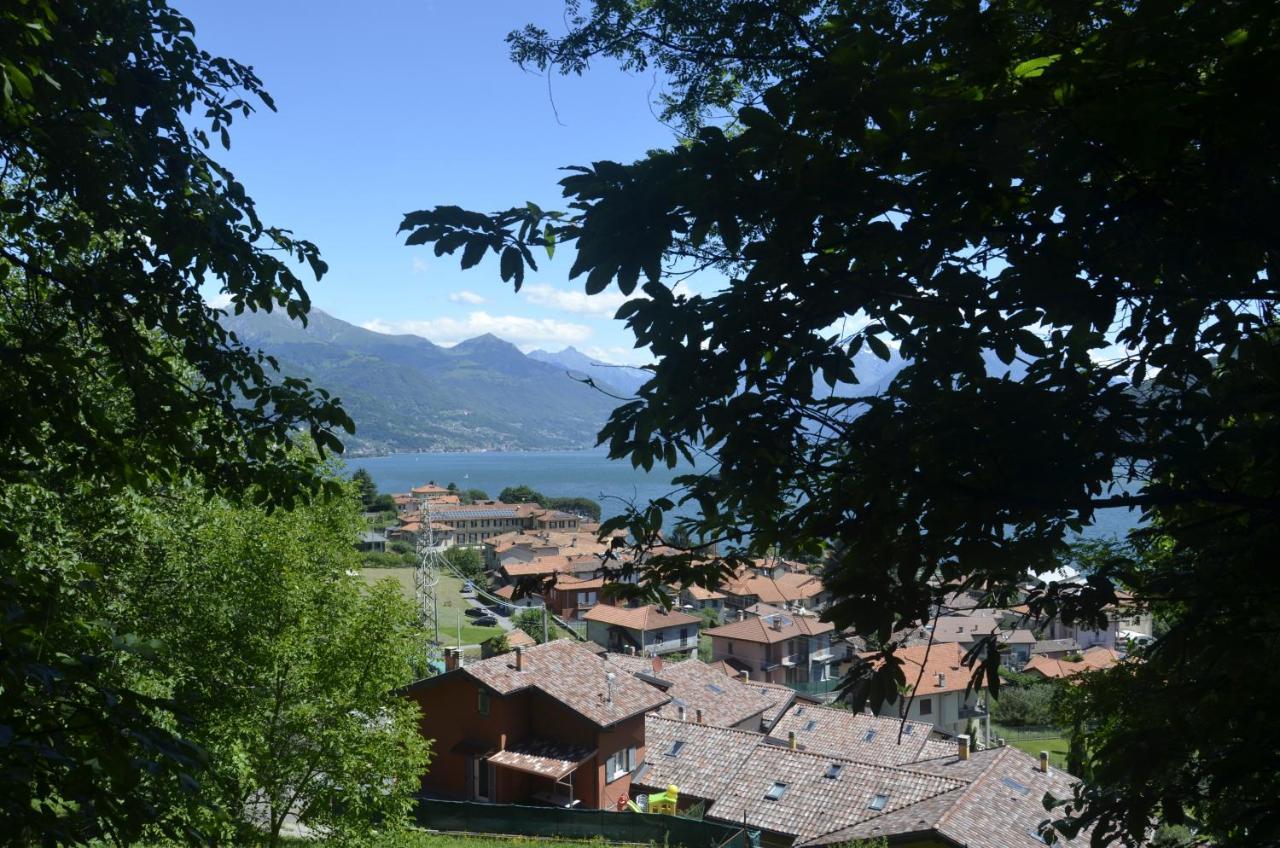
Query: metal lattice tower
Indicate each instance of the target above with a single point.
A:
(426, 576)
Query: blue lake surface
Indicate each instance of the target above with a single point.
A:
(587, 474)
(557, 474)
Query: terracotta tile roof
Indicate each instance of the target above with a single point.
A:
(1094, 659)
(762, 630)
(537, 567)
(963, 628)
(651, 617)
(429, 489)
(724, 702)
(813, 803)
(999, 805)
(780, 700)
(786, 587)
(1020, 636)
(571, 583)
(859, 736)
(631, 664)
(517, 638)
(543, 757)
(703, 764)
(700, 594)
(569, 673)
(943, 672)
(1054, 646)
(724, 668)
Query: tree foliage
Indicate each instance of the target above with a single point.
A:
(287, 666)
(118, 380)
(1054, 217)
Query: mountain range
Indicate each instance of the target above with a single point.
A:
(407, 394)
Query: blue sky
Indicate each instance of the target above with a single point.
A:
(386, 107)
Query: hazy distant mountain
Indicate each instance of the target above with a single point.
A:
(579, 365)
(407, 394)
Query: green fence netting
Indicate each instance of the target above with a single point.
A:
(473, 817)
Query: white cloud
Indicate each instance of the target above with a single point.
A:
(525, 333)
(419, 265)
(601, 305)
(221, 300)
(465, 296)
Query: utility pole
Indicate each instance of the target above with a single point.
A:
(426, 577)
(544, 623)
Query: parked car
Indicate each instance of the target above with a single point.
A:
(477, 612)
(485, 621)
(468, 589)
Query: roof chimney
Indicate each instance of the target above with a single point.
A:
(450, 659)
(698, 713)
(941, 678)
(519, 659)
(963, 752)
(776, 622)
(1044, 761)
(742, 616)
(680, 713)
(657, 665)
(609, 677)
(791, 740)
(745, 675)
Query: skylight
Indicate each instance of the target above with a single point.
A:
(1015, 785)
(776, 792)
(907, 729)
(714, 688)
(676, 747)
(833, 771)
(878, 803)
(810, 725)
(871, 734)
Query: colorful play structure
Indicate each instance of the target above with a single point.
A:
(659, 802)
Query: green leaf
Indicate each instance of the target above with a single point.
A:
(1035, 67)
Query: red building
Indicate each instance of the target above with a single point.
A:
(553, 723)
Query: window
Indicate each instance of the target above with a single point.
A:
(776, 792)
(482, 702)
(833, 771)
(810, 724)
(1015, 786)
(619, 764)
(871, 734)
(878, 803)
(676, 747)
(926, 706)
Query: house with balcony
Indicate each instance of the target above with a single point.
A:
(938, 679)
(646, 630)
(552, 724)
(571, 597)
(777, 648)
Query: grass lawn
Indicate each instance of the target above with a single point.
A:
(450, 605)
(1057, 747)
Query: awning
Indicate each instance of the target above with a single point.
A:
(543, 757)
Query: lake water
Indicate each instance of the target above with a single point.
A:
(557, 474)
(587, 474)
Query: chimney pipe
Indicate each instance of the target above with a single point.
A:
(698, 713)
(502, 741)
(942, 679)
(742, 616)
(963, 739)
(1044, 761)
(791, 740)
(609, 677)
(657, 665)
(519, 659)
(450, 659)
(745, 675)
(680, 713)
